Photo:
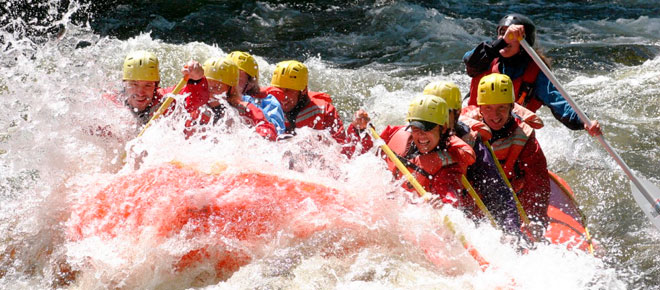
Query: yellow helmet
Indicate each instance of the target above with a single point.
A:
(222, 70)
(141, 66)
(428, 108)
(446, 90)
(290, 74)
(245, 62)
(495, 89)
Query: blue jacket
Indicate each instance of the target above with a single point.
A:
(272, 110)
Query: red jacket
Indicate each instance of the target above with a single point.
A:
(199, 94)
(316, 111)
(445, 167)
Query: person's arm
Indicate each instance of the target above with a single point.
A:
(559, 107)
(446, 183)
(460, 153)
(535, 195)
(479, 59)
(197, 87)
(261, 125)
(357, 134)
(273, 111)
(199, 94)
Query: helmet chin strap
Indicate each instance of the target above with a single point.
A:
(244, 90)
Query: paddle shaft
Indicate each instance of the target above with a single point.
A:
(587, 121)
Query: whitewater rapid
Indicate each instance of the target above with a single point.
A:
(50, 100)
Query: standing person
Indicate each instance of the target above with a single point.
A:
(248, 88)
(516, 147)
(222, 76)
(532, 87)
(430, 151)
(304, 108)
(483, 174)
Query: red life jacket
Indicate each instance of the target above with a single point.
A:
(526, 82)
(313, 115)
(424, 166)
(508, 149)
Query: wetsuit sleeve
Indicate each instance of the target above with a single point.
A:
(479, 59)
(271, 108)
(461, 153)
(535, 193)
(199, 94)
(447, 181)
(496, 195)
(560, 108)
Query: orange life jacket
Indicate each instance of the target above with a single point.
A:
(508, 149)
(523, 86)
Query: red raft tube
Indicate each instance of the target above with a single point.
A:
(568, 225)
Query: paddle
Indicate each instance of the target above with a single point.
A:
(644, 192)
(483, 264)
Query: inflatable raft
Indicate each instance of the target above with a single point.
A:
(220, 224)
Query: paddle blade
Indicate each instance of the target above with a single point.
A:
(651, 210)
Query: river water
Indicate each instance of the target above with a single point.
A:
(59, 57)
